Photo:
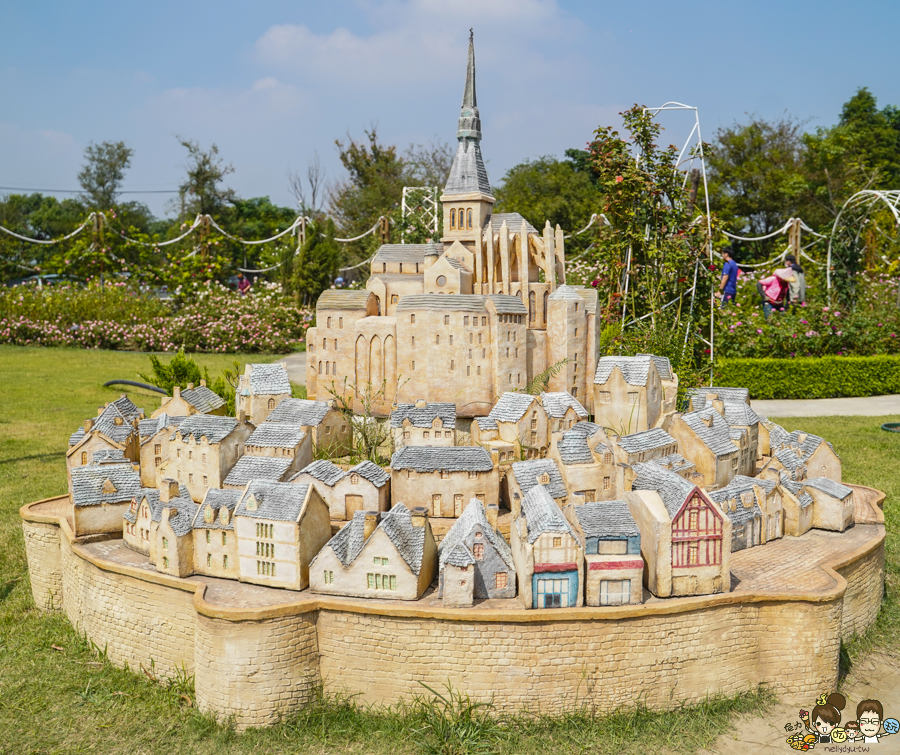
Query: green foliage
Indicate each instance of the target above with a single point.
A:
(102, 176)
(540, 382)
(179, 370)
(454, 724)
(201, 192)
(821, 377)
(315, 266)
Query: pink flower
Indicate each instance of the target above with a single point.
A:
(619, 179)
(759, 330)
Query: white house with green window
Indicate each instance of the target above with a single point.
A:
(390, 555)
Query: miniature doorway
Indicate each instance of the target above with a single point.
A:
(436, 504)
(457, 505)
(615, 592)
(353, 503)
(552, 593)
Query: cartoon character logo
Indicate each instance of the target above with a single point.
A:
(871, 721)
(823, 724)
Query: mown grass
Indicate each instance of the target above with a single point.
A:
(59, 694)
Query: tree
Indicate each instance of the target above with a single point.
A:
(201, 193)
(428, 164)
(102, 176)
(316, 265)
(309, 200)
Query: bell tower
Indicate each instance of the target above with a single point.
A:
(467, 198)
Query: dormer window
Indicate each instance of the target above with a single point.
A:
(354, 479)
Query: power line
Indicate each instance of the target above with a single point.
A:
(79, 191)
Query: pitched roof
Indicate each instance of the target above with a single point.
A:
(663, 366)
(646, 440)
(249, 468)
(408, 540)
(438, 458)
(401, 253)
(156, 505)
(807, 447)
(557, 403)
(211, 426)
(127, 409)
(152, 496)
(566, 292)
(513, 221)
(473, 516)
(216, 499)
(804, 498)
(95, 484)
(739, 485)
(423, 416)
(739, 413)
(181, 520)
(458, 555)
(348, 541)
(300, 411)
(454, 303)
(276, 435)
(277, 501)
(370, 471)
(778, 436)
(467, 173)
(505, 304)
(106, 423)
(586, 428)
(675, 462)
(527, 472)
(324, 471)
(789, 459)
(828, 486)
(635, 370)
(486, 423)
(151, 426)
(743, 514)
(573, 448)
(108, 456)
(203, 399)
(543, 515)
(511, 407)
(672, 488)
(607, 520)
(269, 379)
(727, 395)
(591, 300)
(75, 437)
(716, 436)
(342, 298)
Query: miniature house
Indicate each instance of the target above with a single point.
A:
(273, 452)
(261, 388)
(832, 503)
(191, 400)
(644, 446)
(685, 537)
(114, 429)
(525, 475)
(390, 555)
(327, 427)
(424, 424)
(203, 450)
(629, 396)
(785, 460)
(704, 437)
(444, 478)
(517, 427)
(280, 528)
(755, 508)
(548, 554)
(614, 569)
(102, 492)
(154, 439)
(563, 410)
(817, 454)
(585, 459)
(215, 544)
(365, 487)
(174, 535)
(474, 546)
(141, 518)
(798, 506)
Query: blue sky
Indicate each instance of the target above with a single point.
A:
(270, 82)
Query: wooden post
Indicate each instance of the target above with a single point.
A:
(794, 238)
(385, 230)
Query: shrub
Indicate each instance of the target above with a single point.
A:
(822, 377)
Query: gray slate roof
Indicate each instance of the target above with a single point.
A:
(608, 520)
(276, 435)
(343, 299)
(675, 462)
(486, 423)
(459, 555)
(435, 458)
(414, 253)
(739, 413)
(370, 471)
(573, 448)
(217, 499)
(152, 496)
(276, 501)
(586, 428)
(526, 474)
(88, 482)
(454, 303)
(348, 542)
(672, 488)
(717, 437)
(181, 520)
(727, 395)
(504, 304)
(467, 173)
(511, 407)
(789, 459)
(634, 369)
(425, 415)
(127, 409)
(106, 423)
(408, 540)
(269, 379)
(513, 221)
(663, 366)
(543, 515)
(324, 471)
(566, 292)
(249, 468)
(804, 498)
(739, 485)
(150, 427)
(646, 441)
(828, 486)
(214, 427)
(557, 403)
(809, 445)
(778, 436)
(299, 411)
(473, 516)
(156, 506)
(75, 437)
(203, 399)
(743, 514)
(108, 456)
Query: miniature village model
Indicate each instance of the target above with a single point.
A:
(600, 499)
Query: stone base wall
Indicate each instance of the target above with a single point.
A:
(256, 664)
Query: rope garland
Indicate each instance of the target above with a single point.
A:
(51, 241)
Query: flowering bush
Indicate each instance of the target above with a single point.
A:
(208, 318)
(812, 329)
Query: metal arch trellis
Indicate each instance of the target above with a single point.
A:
(421, 203)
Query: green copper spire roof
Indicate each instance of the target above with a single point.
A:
(469, 120)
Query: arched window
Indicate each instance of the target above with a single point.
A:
(84, 457)
(468, 218)
(271, 403)
(531, 303)
(453, 218)
(546, 296)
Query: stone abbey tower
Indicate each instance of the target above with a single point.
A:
(464, 319)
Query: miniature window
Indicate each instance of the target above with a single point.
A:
(224, 562)
(165, 543)
(500, 580)
(394, 298)
(328, 325)
(406, 434)
(413, 365)
(478, 550)
(451, 340)
(468, 370)
(271, 403)
(632, 397)
(320, 368)
(426, 434)
(483, 322)
(575, 390)
(165, 562)
(157, 461)
(324, 343)
(441, 280)
(205, 481)
(446, 319)
(190, 477)
(557, 542)
(472, 475)
(453, 218)
(340, 322)
(694, 520)
(478, 370)
(354, 479)
(452, 364)
(190, 454)
(445, 474)
(84, 457)
(437, 339)
(328, 577)
(208, 557)
(604, 397)
(466, 320)
(468, 218)
(157, 448)
(178, 452)
(692, 554)
(208, 517)
(607, 458)
(412, 318)
(448, 433)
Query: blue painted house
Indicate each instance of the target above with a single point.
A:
(614, 568)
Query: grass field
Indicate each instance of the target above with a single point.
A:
(59, 695)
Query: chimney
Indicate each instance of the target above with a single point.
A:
(492, 511)
(176, 391)
(241, 416)
(190, 386)
(370, 524)
(88, 424)
(100, 410)
(495, 457)
(168, 490)
(719, 406)
(420, 403)
(418, 516)
(123, 395)
(118, 420)
(707, 420)
(203, 382)
(802, 437)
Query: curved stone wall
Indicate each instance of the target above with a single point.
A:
(257, 661)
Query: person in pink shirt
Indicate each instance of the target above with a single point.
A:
(774, 289)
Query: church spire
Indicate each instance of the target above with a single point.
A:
(469, 120)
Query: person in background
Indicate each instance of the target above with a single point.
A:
(798, 287)
(728, 283)
(774, 290)
(243, 284)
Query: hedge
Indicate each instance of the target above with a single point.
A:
(816, 377)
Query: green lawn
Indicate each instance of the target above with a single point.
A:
(57, 695)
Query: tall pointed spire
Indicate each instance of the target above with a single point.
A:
(469, 120)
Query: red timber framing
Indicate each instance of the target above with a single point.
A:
(697, 533)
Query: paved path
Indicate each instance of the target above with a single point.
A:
(870, 406)
(296, 367)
